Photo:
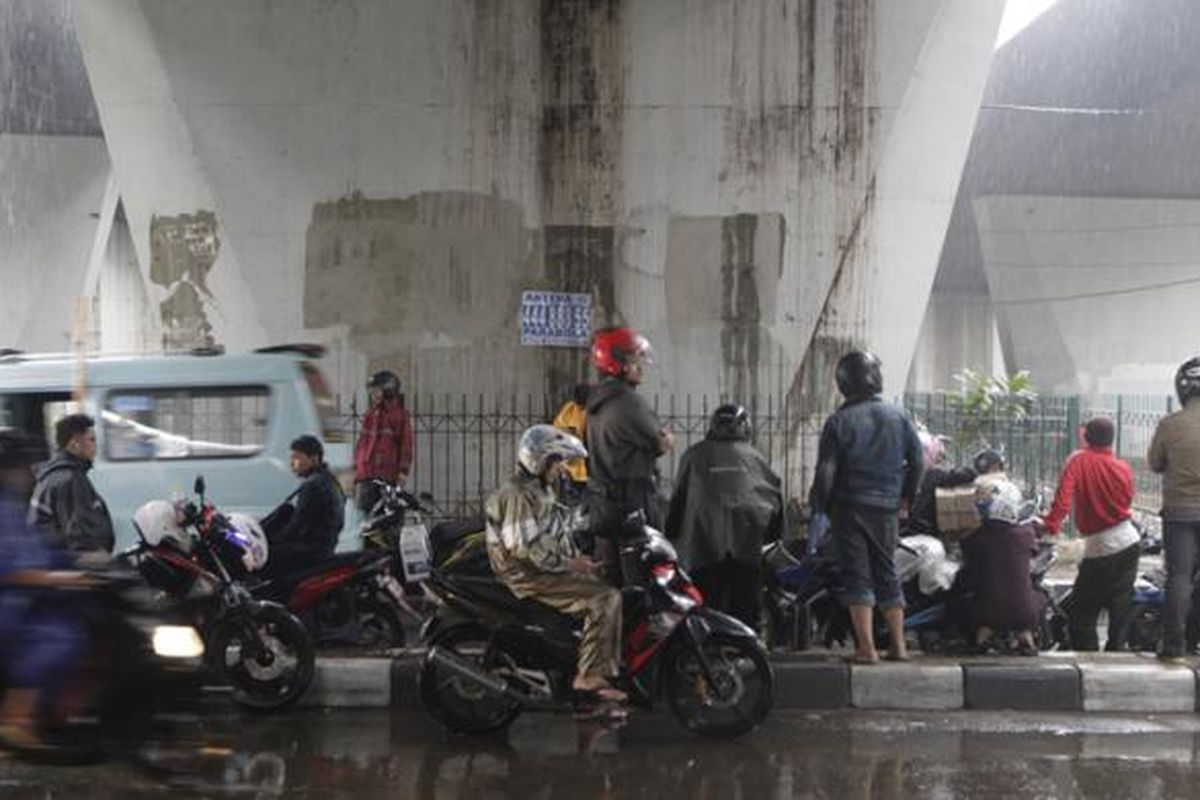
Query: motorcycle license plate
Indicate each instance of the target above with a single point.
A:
(414, 552)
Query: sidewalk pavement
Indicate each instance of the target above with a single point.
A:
(1109, 682)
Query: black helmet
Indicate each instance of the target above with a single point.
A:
(1187, 380)
(988, 460)
(859, 375)
(387, 380)
(730, 421)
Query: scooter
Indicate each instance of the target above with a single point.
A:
(492, 656)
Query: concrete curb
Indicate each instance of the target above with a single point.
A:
(1055, 682)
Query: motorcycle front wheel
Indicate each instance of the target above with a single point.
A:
(265, 655)
(738, 698)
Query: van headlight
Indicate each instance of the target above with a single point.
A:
(177, 641)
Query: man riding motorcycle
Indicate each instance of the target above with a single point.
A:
(306, 534)
(531, 549)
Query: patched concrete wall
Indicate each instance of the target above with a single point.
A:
(735, 179)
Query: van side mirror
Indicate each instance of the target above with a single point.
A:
(198, 487)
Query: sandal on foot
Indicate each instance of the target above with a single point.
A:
(897, 657)
(864, 660)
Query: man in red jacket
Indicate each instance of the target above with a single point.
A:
(385, 446)
(1100, 486)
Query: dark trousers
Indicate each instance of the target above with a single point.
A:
(732, 587)
(608, 506)
(1103, 583)
(1181, 545)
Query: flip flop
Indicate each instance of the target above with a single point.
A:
(898, 658)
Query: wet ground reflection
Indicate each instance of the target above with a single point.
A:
(851, 756)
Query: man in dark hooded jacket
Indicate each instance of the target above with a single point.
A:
(65, 505)
(624, 438)
(726, 504)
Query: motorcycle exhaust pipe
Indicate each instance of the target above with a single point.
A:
(465, 669)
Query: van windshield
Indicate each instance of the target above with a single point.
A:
(332, 428)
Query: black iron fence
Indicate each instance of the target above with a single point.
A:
(466, 445)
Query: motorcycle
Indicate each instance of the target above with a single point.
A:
(492, 656)
(144, 659)
(346, 599)
(257, 647)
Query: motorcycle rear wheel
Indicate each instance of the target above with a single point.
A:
(745, 686)
(458, 703)
(272, 671)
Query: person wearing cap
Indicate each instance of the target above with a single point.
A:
(305, 533)
(384, 450)
(1100, 488)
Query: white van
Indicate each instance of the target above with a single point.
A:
(161, 420)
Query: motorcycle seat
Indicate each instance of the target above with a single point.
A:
(493, 593)
(336, 561)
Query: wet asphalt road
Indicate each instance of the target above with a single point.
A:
(842, 755)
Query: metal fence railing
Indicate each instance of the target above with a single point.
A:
(1036, 446)
(466, 445)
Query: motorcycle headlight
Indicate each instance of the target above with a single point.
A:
(177, 641)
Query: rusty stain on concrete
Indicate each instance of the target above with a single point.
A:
(583, 71)
(183, 250)
(579, 258)
(852, 54)
(722, 280)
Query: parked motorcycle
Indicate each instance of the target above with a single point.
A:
(257, 647)
(144, 659)
(492, 656)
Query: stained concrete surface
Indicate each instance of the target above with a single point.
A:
(844, 755)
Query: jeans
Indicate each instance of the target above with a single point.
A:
(1105, 582)
(865, 539)
(1181, 545)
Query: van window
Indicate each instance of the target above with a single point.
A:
(36, 413)
(331, 427)
(146, 424)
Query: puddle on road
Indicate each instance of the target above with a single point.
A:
(842, 755)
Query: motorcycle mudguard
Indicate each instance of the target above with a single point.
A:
(704, 621)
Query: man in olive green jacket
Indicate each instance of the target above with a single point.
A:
(1175, 453)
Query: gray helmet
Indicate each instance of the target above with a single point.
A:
(543, 444)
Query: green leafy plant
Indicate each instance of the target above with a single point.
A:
(984, 402)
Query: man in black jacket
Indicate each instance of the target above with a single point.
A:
(65, 505)
(726, 504)
(624, 438)
(309, 533)
(868, 469)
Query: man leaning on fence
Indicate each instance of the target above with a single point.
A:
(1100, 486)
(1175, 452)
(868, 468)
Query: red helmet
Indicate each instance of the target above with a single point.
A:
(613, 347)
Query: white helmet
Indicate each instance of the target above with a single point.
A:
(999, 499)
(250, 537)
(158, 522)
(541, 443)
